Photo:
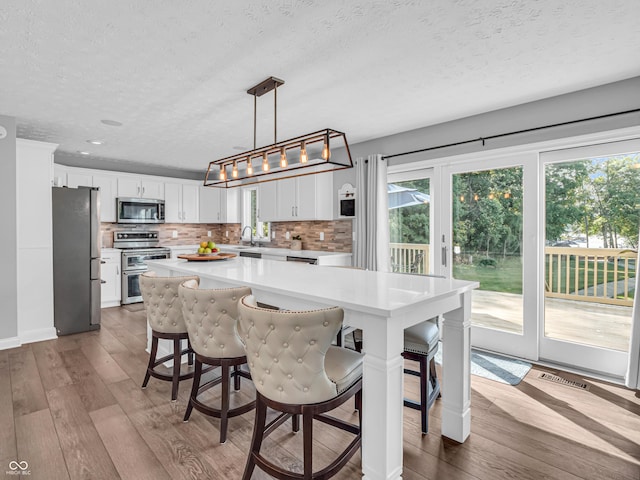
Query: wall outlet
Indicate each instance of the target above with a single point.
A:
(226, 233)
(174, 234)
(286, 236)
(208, 233)
(321, 236)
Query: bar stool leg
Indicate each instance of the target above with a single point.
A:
(194, 389)
(152, 360)
(258, 435)
(176, 369)
(424, 394)
(307, 440)
(224, 408)
(236, 377)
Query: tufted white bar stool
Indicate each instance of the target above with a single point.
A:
(296, 371)
(164, 314)
(210, 316)
(420, 345)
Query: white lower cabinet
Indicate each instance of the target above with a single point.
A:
(111, 288)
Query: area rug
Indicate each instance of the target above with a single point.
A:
(495, 367)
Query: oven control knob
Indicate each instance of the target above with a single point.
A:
(124, 235)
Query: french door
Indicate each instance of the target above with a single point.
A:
(487, 230)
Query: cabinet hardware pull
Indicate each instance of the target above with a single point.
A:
(102, 262)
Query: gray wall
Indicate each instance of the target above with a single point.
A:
(611, 98)
(8, 260)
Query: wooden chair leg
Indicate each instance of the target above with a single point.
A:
(295, 423)
(424, 394)
(224, 407)
(236, 377)
(433, 375)
(152, 359)
(258, 435)
(190, 354)
(307, 440)
(194, 390)
(176, 369)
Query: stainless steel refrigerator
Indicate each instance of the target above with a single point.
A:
(76, 259)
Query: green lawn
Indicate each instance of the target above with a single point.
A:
(505, 277)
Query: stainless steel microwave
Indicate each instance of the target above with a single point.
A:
(139, 210)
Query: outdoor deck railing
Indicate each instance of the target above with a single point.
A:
(406, 258)
(602, 275)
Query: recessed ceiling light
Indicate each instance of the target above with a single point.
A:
(95, 142)
(112, 123)
(82, 152)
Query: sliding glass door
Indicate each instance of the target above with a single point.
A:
(592, 200)
(486, 231)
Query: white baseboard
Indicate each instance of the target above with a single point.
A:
(113, 303)
(38, 335)
(11, 342)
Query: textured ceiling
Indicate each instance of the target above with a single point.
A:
(175, 73)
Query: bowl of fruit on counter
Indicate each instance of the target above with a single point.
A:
(208, 248)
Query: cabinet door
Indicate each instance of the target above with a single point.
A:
(110, 289)
(79, 180)
(152, 189)
(210, 203)
(128, 187)
(286, 199)
(107, 186)
(306, 198)
(173, 203)
(190, 202)
(267, 198)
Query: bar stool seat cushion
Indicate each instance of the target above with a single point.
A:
(343, 367)
(421, 338)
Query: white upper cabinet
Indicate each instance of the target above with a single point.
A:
(212, 205)
(267, 201)
(309, 197)
(108, 185)
(79, 180)
(181, 203)
(140, 187)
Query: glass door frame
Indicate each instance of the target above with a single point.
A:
(525, 344)
(582, 356)
(399, 174)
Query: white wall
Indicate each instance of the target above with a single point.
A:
(8, 263)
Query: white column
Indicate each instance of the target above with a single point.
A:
(382, 399)
(456, 369)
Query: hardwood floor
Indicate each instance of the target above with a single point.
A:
(73, 408)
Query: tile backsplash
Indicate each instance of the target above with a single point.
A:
(337, 234)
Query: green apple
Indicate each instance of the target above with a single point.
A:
(201, 250)
(207, 250)
(211, 245)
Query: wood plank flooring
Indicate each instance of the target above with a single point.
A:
(73, 408)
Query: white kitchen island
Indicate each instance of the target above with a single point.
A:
(382, 305)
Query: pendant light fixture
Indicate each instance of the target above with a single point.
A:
(315, 152)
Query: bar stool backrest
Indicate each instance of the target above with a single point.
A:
(211, 316)
(160, 297)
(286, 351)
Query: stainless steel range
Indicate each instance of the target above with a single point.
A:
(138, 247)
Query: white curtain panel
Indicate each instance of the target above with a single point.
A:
(371, 250)
(632, 379)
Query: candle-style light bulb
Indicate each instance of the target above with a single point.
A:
(223, 175)
(304, 158)
(234, 171)
(265, 162)
(249, 166)
(283, 158)
(326, 153)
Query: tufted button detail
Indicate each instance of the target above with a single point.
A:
(297, 328)
(223, 311)
(166, 286)
(264, 341)
(233, 298)
(261, 382)
(216, 324)
(285, 344)
(174, 323)
(280, 388)
(210, 336)
(312, 342)
(267, 371)
(275, 360)
(222, 345)
(252, 323)
(325, 323)
(257, 354)
(213, 301)
(289, 376)
(251, 364)
(305, 389)
(206, 313)
(299, 360)
(272, 327)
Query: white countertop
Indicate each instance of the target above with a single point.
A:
(281, 252)
(378, 293)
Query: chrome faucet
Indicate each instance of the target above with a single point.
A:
(252, 243)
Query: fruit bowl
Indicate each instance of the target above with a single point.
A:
(208, 254)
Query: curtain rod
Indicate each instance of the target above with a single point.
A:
(499, 135)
